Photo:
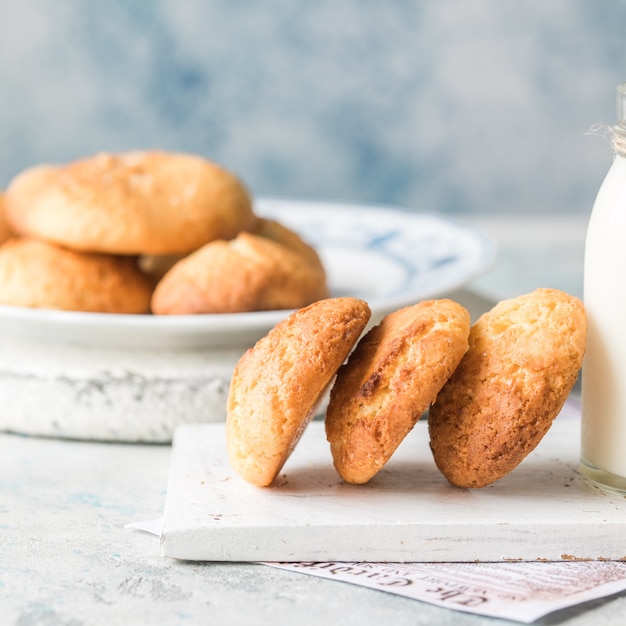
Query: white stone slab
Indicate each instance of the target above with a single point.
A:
(544, 510)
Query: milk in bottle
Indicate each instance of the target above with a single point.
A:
(603, 435)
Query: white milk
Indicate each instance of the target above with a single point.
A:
(604, 369)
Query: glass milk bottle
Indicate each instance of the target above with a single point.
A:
(603, 435)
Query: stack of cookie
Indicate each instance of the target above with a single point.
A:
(492, 389)
(147, 232)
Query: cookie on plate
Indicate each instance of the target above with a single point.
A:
(130, 203)
(278, 384)
(37, 274)
(390, 379)
(247, 273)
(523, 360)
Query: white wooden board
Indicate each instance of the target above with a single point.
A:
(543, 510)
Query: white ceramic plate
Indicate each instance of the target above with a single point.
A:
(386, 256)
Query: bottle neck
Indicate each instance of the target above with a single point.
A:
(619, 141)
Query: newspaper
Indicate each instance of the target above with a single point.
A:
(523, 592)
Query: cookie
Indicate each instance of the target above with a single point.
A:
(390, 379)
(278, 384)
(38, 274)
(247, 273)
(130, 203)
(523, 360)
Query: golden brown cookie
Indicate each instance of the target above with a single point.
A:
(247, 273)
(390, 379)
(524, 358)
(37, 274)
(130, 203)
(5, 231)
(278, 384)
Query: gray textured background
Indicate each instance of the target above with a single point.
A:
(459, 106)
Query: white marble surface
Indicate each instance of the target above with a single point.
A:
(67, 560)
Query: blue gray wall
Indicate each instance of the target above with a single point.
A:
(458, 106)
